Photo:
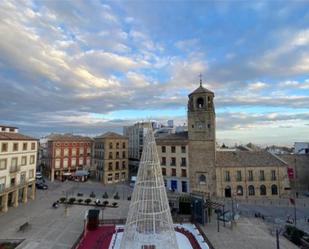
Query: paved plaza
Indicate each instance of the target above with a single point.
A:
(246, 234)
(55, 228)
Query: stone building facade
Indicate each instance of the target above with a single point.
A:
(173, 153)
(68, 153)
(202, 141)
(18, 157)
(249, 174)
(111, 158)
(246, 174)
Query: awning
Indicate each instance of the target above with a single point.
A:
(81, 173)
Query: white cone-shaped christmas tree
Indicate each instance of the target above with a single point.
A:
(149, 224)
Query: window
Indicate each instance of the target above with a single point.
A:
(262, 190)
(250, 175)
(274, 189)
(58, 152)
(15, 146)
(73, 162)
(202, 179)
(200, 103)
(227, 176)
(173, 149)
(110, 166)
(4, 147)
(183, 173)
(183, 149)
(123, 145)
(81, 151)
(32, 146)
(123, 154)
(74, 152)
(184, 186)
(110, 156)
(23, 160)
(117, 154)
(116, 176)
(25, 145)
(31, 159)
(183, 161)
(23, 177)
(110, 145)
(2, 183)
(173, 172)
(251, 190)
(117, 165)
(273, 175)
(123, 164)
(164, 171)
(65, 163)
(123, 176)
(239, 190)
(117, 145)
(57, 164)
(238, 175)
(173, 161)
(163, 149)
(163, 162)
(262, 176)
(14, 162)
(31, 173)
(66, 152)
(3, 164)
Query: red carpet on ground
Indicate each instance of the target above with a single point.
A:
(97, 239)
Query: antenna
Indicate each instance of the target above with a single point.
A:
(200, 79)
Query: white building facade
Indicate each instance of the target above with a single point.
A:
(18, 160)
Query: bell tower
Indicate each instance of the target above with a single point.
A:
(202, 141)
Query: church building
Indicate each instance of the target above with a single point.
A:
(209, 172)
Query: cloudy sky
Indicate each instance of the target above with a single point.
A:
(91, 66)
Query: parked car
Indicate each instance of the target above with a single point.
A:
(40, 185)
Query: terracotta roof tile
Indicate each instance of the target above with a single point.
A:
(14, 136)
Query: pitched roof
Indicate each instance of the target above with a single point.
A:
(111, 135)
(14, 136)
(302, 160)
(67, 137)
(201, 89)
(247, 159)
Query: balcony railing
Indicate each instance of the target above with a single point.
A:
(14, 169)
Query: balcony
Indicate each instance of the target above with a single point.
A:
(14, 169)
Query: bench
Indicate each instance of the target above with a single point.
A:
(23, 227)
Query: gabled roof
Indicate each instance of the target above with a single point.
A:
(67, 137)
(111, 135)
(201, 89)
(247, 159)
(14, 136)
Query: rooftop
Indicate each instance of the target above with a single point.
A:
(14, 136)
(201, 89)
(111, 135)
(67, 137)
(247, 159)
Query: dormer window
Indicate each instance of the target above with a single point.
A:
(200, 103)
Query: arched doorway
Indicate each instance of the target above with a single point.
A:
(274, 190)
(228, 192)
(262, 190)
(251, 190)
(239, 190)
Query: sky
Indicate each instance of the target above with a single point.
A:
(89, 67)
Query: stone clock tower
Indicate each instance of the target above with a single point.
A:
(202, 141)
